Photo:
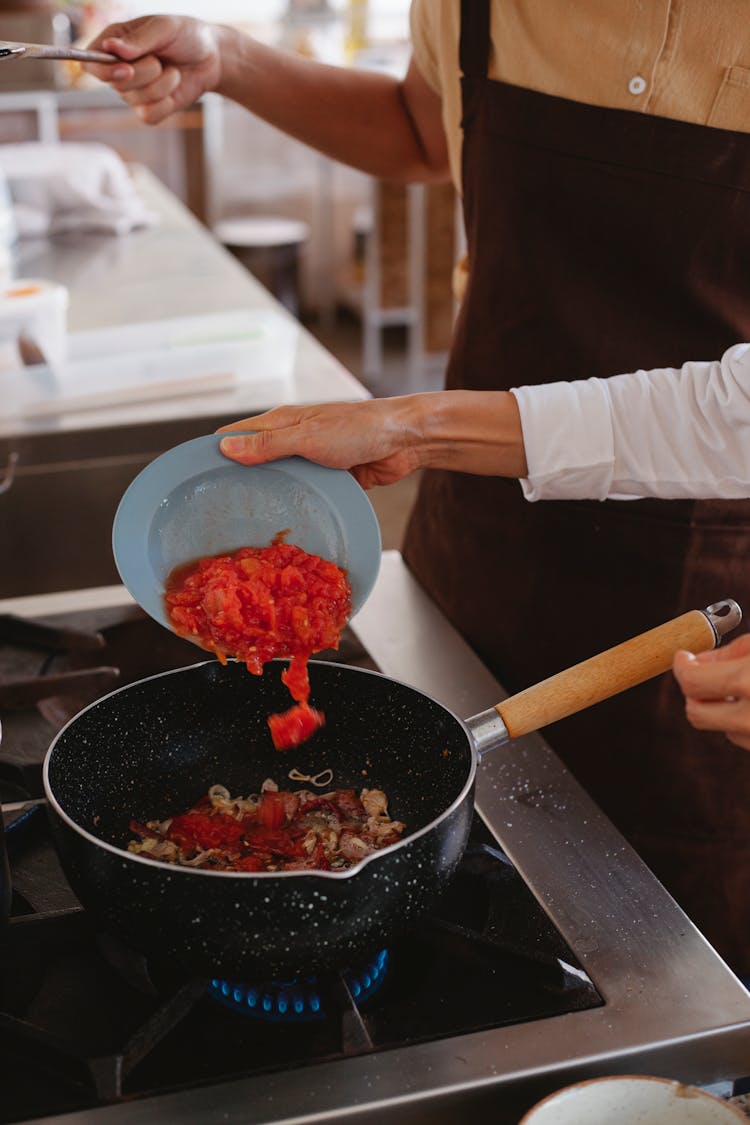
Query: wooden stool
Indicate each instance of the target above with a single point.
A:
(268, 246)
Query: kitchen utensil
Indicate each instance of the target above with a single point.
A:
(193, 502)
(107, 398)
(30, 352)
(151, 749)
(632, 1099)
(48, 51)
(153, 361)
(9, 474)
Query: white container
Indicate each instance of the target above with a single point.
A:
(38, 308)
(632, 1100)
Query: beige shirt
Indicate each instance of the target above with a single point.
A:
(685, 59)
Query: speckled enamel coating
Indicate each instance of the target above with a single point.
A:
(151, 749)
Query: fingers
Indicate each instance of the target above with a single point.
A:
(112, 73)
(740, 646)
(129, 41)
(359, 437)
(136, 38)
(152, 101)
(255, 449)
(127, 45)
(717, 678)
(732, 718)
(726, 714)
(144, 85)
(266, 442)
(139, 76)
(156, 101)
(319, 433)
(692, 678)
(366, 476)
(271, 419)
(155, 50)
(716, 685)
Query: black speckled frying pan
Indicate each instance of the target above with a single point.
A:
(151, 749)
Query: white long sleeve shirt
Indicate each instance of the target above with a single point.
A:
(673, 433)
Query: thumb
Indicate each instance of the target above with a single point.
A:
(133, 40)
(682, 662)
(254, 449)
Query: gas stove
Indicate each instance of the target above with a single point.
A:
(554, 955)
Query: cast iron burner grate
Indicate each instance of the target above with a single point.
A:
(51, 670)
(30, 637)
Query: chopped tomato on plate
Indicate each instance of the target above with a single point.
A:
(258, 603)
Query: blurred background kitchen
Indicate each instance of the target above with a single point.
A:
(184, 223)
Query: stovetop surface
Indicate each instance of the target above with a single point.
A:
(103, 1024)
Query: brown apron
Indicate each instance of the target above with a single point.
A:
(600, 241)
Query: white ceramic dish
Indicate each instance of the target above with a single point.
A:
(632, 1100)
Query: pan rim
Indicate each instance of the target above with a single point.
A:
(316, 873)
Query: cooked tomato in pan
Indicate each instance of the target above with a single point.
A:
(274, 830)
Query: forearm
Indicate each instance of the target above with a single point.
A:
(358, 117)
(471, 432)
(667, 433)
(384, 439)
(391, 129)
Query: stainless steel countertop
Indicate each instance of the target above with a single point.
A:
(174, 269)
(672, 1007)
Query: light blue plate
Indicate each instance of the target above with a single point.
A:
(192, 502)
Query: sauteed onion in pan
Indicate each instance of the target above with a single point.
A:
(274, 830)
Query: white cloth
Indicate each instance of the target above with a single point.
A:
(671, 433)
(59, 187)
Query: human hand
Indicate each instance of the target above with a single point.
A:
(167, 63)
(716, 685)
(378, 441)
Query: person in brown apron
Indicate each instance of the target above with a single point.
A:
(588, 256)
(601, 241)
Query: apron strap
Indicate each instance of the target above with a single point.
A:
(475, 37)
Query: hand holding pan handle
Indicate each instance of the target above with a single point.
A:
(604, 675)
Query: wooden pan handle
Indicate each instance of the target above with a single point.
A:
(611, 672)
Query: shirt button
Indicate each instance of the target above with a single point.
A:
(637, 85)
